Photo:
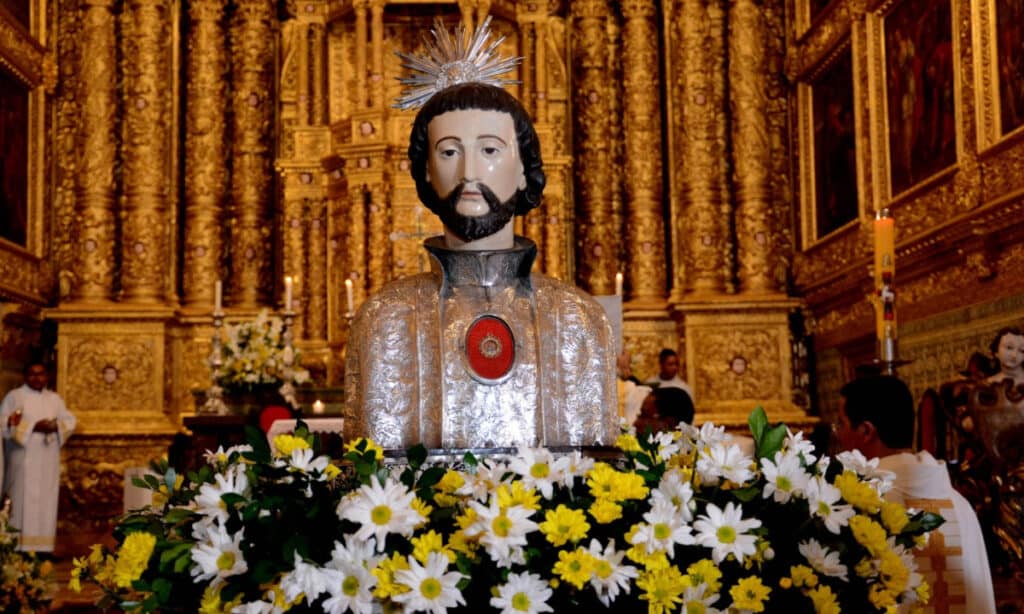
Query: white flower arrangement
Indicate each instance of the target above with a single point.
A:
(256, 353)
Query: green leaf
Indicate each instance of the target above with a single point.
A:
(138, 482)
(771, 441)
(431, 476)
(183, 562)
(757, 420)
(232, 498)
(174, 552)
(162, 587)
(746, 495)
(469, 460)
(417, 455)
(260, 446)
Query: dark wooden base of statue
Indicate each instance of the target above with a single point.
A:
(187, 453)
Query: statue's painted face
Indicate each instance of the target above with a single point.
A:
(474, 149)
(1010, 352)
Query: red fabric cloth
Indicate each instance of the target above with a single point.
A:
(272, 413)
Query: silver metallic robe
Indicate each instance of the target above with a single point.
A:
(406, 375)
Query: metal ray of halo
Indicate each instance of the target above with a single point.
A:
(453, 59)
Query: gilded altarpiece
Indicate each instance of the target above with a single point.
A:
(958, 257)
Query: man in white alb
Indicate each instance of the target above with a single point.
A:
(35, 425)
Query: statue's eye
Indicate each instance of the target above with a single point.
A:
(450, 152)
(490, 151)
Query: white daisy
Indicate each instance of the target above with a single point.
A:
(303, 579)
(222, 456)
(822, 499)
(380, 510)
(694, 600)
(578, 466)
(360, 552)
(675, 490)
(486, 478)
(523, 593)
(502, 532)
(610, 575)
(796, 444)
(302, 460)
(784, 478)
(255, 607)
(669, 443)
(721, 461)
(539, 469)
(823, 560)
(724, 531)
(218, 556)
(710, 434)
(663, 530)
(230, 481)
(431, 589)
(350, 587)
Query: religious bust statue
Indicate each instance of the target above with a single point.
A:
(1008, 349)
(480, 352)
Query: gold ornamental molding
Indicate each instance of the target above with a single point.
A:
(20, 53)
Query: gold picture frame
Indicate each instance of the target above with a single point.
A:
(986, 32)
(23, 59)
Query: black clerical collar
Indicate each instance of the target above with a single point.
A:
(490, 268)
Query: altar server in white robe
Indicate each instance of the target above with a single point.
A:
(876, 416)
(35, 424)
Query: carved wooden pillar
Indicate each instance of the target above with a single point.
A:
(316, 270)
(145, 223)
(642, 135)
(302, 66)
(293, 258)
(318, 52)
(377, 51)
(357, 238)
(596, 239)
(205, 152)
(527, 67)
(97, 152)
(541, 66)
(252, 54)
(701, 212)
(360, 53)
(757, 222)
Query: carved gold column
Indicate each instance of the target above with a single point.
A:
(205, 152)
(702, 225)
(316, 246)
(97, 152)
(526, 38)
(252, 54)
(379, 260)
(356, 239)
(467, 9)
(360, 52)
(642, 136)
(318, 69)
(596, 246)
(377, 52)
(146, 104)
(541, 66)
(303, 58)
(292, 247)
(755, 215)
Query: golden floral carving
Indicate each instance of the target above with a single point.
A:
(21, 54)
(145, 223)
(206, 151)
(65, 136)
(379, 228)
(316, 306)
(736, 365)
(91, 396)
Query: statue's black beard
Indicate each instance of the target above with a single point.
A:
(473, 227)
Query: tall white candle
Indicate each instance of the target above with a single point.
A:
(349, 298)
(218, 296)
(618, 284)
(288, 293)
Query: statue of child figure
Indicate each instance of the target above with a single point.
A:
(1008, 349)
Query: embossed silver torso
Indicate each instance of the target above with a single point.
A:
(407, 376)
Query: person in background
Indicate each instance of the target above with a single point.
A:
(664, 409)
(668, 373)
(876, 417)
(35, 424)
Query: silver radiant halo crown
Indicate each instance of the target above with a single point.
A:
(452, 60)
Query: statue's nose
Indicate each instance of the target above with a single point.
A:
(469, 167)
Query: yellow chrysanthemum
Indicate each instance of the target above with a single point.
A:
(749, 594)
(662, 589)
(824, 600)
(161, 495)
(628, 443)
(869, 534)
(894, 573)
(466, 518)
(859, 494)
(924, 592)
(704, 571)
(607, 483)
(881, 597)
(285, 444)
(431, 541)
(574, 567)
(133, 557)
(210, 601)
(462, 544)
(605, 511)
(894, 517)
(358, 443)
(564, 524)
(331, 471)
(803, 576)
(517, 494)
(385, 574)
(448, 484)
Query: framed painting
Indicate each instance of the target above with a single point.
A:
(920, 92)
(1010, 63)
(19, 10)
(14, 125)
(835, 156)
